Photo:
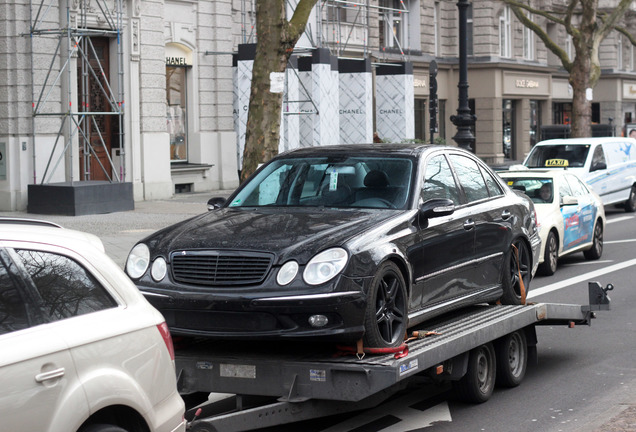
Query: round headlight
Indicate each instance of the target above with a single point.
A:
(159, 268)
(287, 273)
(137, 261)
(325, 266)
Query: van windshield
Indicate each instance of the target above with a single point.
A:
(558, 155)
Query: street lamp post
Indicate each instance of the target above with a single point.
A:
(464, 119)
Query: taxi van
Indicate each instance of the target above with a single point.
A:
(607, 164)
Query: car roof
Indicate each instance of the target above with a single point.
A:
(387, 149)
(584, 141)
(40, 231)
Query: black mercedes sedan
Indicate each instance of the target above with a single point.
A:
(343, 243)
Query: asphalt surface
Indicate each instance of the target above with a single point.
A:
(120, 231)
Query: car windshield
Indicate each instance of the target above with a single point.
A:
(343, 182)
(540, 190)
(558, 155)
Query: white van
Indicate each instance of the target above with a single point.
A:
(607, 164)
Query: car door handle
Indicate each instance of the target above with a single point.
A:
(505, 215)
(50, 375)
(469, 224)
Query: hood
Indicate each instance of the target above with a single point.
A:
(297, 233)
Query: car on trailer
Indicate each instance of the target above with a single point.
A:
(341, 243)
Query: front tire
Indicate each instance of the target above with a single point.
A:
(512, 359)
(630, 204)
(550, 255)
(479, 382)
(596, 250)
(386, 316)
(517, 267)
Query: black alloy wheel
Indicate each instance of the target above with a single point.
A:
(386, 315)
(550, 255)
(517, 268)
(596, 250)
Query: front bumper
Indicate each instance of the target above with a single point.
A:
(232, 315)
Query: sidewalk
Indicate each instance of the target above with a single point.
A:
(121, 230)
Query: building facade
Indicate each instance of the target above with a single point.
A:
(149, 92)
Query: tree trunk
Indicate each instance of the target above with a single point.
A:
(276, 40)
(263, 121)
(581, 122)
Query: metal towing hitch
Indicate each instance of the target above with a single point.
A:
(599, 300)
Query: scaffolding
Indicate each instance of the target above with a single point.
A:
(345, 27)
(76, 88)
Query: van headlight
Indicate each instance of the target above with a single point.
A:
(325, 266)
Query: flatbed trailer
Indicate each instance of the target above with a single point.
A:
(278, 383)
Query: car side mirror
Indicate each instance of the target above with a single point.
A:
(216, 203)
(437, 207)
(569, 201)
(598, 166)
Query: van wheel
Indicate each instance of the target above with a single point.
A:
(596, 250)
(630, 204)
(512, 359)
(479, 382)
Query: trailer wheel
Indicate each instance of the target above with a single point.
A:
(386, 315)
(512, 359)
(479, 382)
(517, 266)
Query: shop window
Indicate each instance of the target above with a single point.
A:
(420, 120)
(176, 115)
(508, 128)
(535, 121)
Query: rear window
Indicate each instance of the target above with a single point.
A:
(558, 155)
(65, 288)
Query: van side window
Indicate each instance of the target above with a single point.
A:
(598, 159)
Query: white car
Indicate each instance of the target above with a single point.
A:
(570, 215)
(80, 347)
(607, 164)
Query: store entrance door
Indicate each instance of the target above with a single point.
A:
(96, 141)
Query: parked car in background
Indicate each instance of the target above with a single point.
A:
(342, 243)
(570, 214)
(608, 165)
(80, 348)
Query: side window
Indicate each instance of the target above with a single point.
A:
(598, 157)
(577, 188)
(13, 313)
(439, 181)
(66, 288)
(470, 178)
(494, 187)
(564, 190)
